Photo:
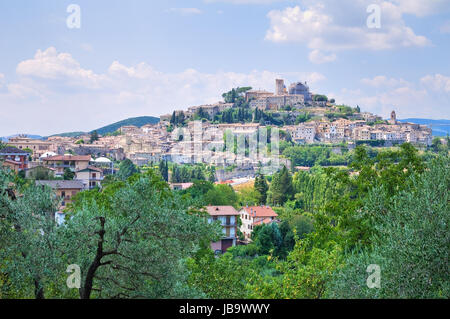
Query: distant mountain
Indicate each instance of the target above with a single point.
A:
(136, 121)
(6, 138)
(68, 134)
(439, 127)
(111, 128)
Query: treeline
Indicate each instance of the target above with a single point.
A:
(135, 238)
(317, 155)
(391, 211)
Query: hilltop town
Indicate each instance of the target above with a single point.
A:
(302, 117)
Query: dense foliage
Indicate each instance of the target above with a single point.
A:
(135, 238)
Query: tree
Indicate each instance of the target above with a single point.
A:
(219, 278)
(410, 242)
(126, 169)
(94, 137)
(199, 189)
(320, 98)
(68, 174)
(28, 237)
(43, 173)
(164, 170)
(221, 195)
(267, 239)
(134, 236)
(248, 195)
(281, 188)
(261, 187)
(212, 174)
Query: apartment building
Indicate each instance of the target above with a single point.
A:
(253, 216)
(91, 177)
(305, 132)
(72, 162)
(38, 147)
(228, 216)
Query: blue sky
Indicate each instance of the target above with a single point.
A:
(133, 58)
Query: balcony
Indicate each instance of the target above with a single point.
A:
(229, 224)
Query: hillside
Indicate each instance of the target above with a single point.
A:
(136, 121)
(111, 128)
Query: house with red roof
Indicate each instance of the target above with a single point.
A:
(228, 216)
(252, 216)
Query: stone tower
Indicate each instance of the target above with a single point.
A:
(393, 119)
(279, 85)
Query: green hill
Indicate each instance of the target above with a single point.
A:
(136, 121)
(111, 128)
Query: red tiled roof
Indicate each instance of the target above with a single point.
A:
(12, 162)
(222, 211)
(85, 158)
(261, 211)
(263, 221)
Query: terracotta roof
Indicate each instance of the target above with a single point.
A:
(85, 158)
(261, 211)
(263, 221)
(222, 211)
(12, 162)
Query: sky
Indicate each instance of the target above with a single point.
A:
(149, 58)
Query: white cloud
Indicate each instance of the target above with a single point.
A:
(437, 82)
(330, 27)
(382, 81)
(54, 93)
(318, 57)
(428, 98)
(51, 65)
(185, 11)
(2, 79)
